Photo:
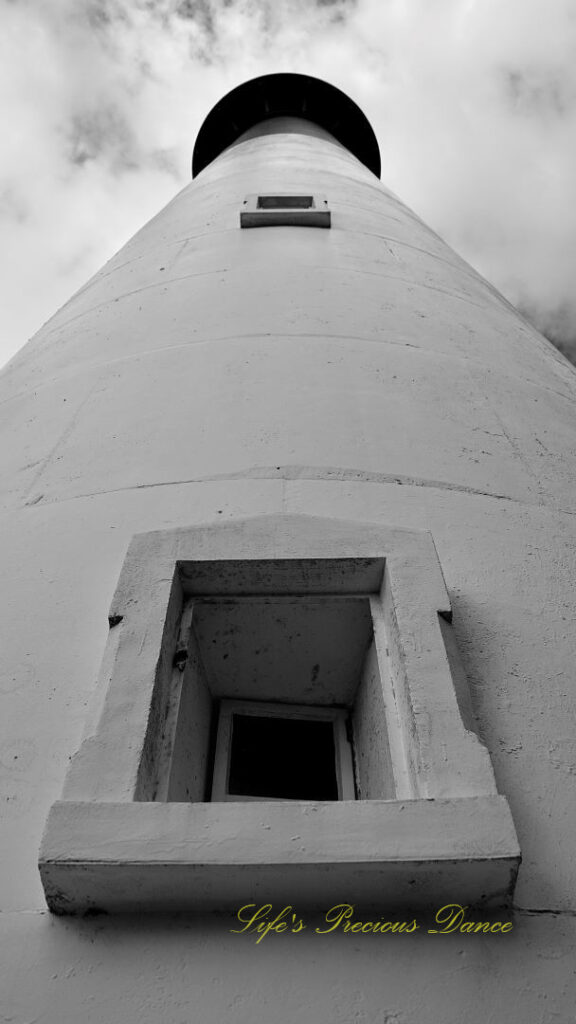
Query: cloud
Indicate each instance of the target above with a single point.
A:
(474, 105)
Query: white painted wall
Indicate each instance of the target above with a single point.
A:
(359, 372)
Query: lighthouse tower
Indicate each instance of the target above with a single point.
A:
(288, 560)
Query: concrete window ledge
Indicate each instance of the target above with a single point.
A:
(135, 829)
(182, 857)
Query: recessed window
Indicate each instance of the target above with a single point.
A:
(282, 752)
(291, 625)
(285, 202)
(273, 209)
(283, 679)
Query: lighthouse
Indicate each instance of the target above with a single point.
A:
(288, 555)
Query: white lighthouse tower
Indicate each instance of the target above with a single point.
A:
(288, 560)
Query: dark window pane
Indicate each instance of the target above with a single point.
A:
(284, 202)
(286, 758)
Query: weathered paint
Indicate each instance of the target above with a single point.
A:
(375, 773)
(362, 372)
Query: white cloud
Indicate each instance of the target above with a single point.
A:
(473, 102)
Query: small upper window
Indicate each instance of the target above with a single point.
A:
(285, 202)
(273, 209)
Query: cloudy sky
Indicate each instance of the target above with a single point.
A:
(473, 103)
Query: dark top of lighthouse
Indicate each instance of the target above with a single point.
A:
(286, 95)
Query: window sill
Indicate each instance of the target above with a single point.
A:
(200, 857)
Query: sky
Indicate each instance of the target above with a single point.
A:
(473, 103)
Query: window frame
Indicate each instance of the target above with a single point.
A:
(343, 764)
(255, 215)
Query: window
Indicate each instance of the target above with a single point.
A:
(295, 209)
(285, 202)
(284, 634)
(282, 752)
(334, 620)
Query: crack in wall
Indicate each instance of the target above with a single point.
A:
(535, 911)
(288, 473)
(62, 436)
(152, 251)
(461, 296)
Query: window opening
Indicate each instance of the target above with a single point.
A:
(274, 210)
(282, 752)
(285, 202)
(307, 658)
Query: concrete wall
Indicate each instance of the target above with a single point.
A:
(362, 372)
(375, 776)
